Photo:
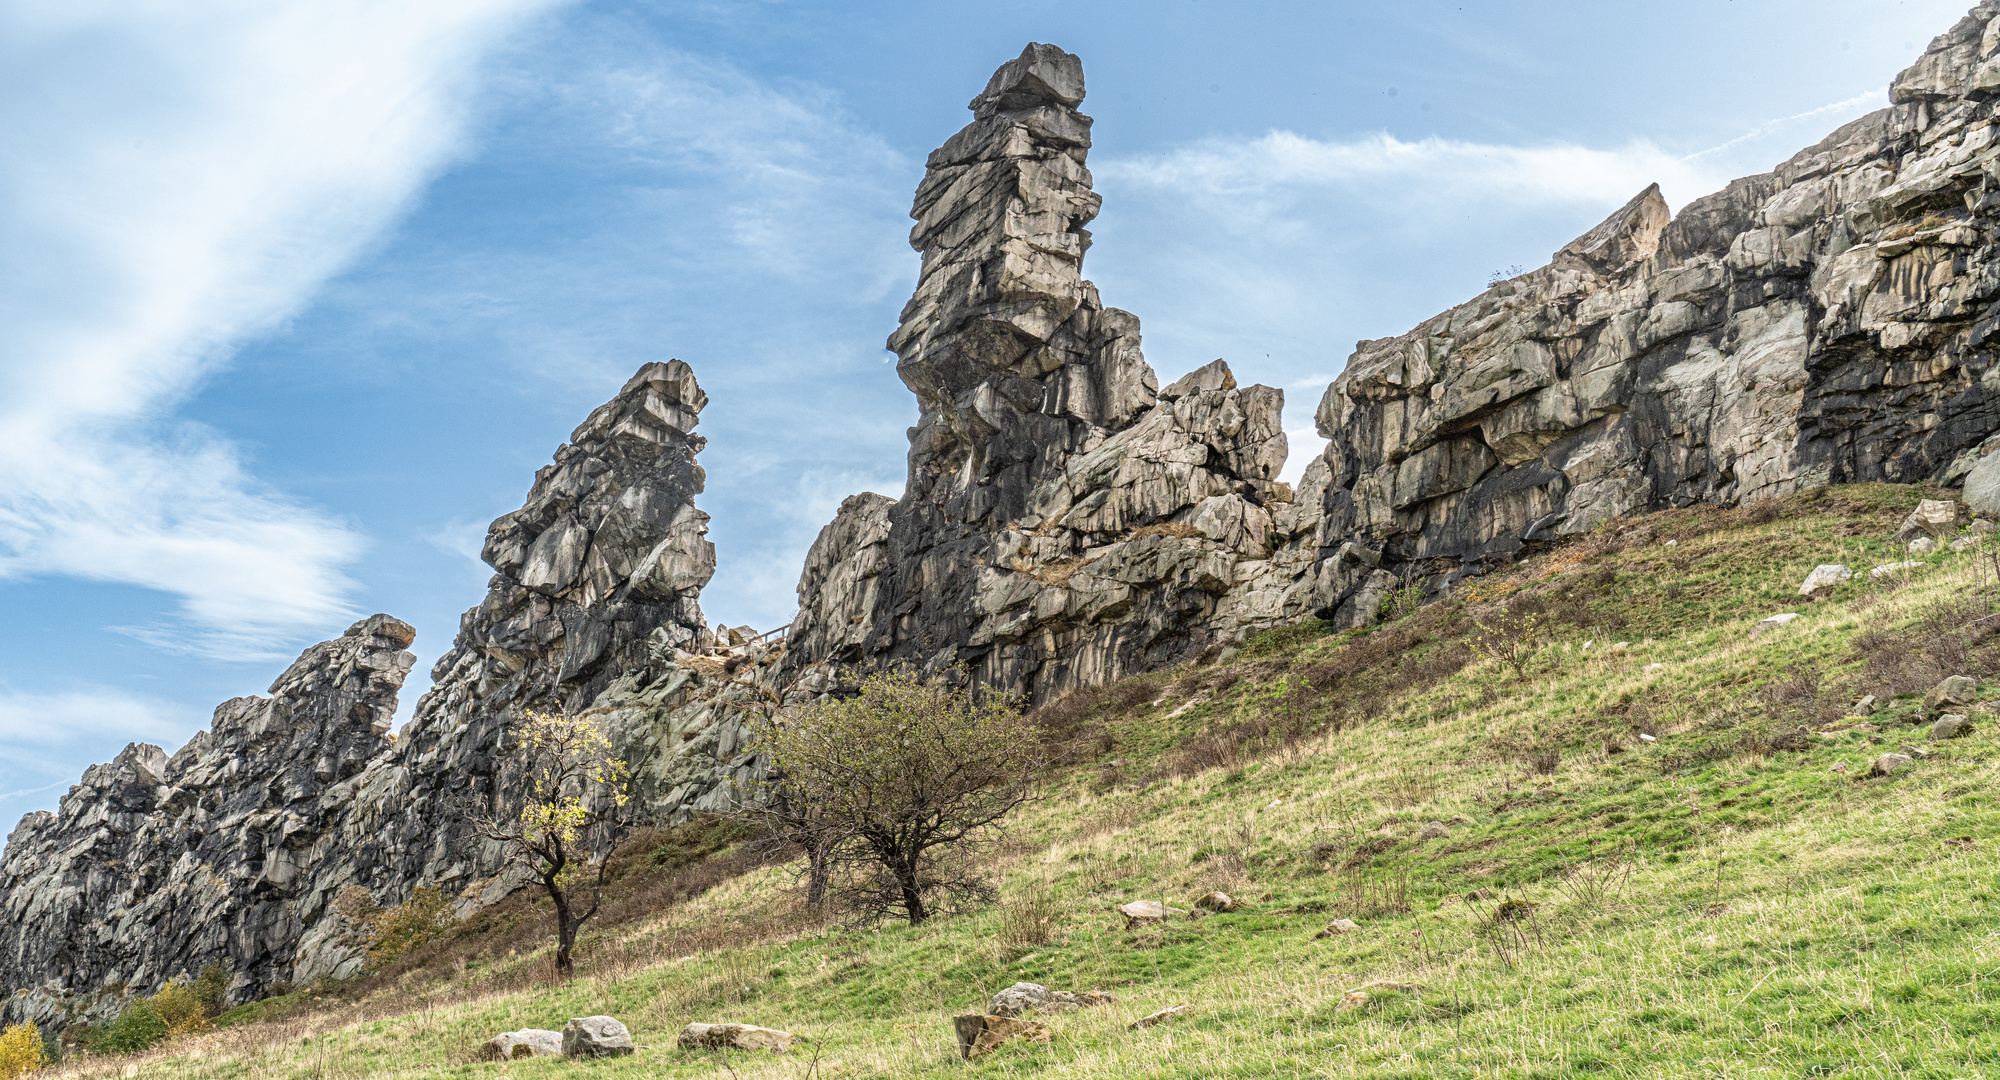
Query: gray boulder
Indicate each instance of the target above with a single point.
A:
(1824, 577)
(1026, 997)
(1931, 519)
(1958, 691)
(735, 1037)
(527, 1042)
(1951, 726)
(1888, 764)
(595, 1037)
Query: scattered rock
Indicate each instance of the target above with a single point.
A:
(1886, 569)
(1888, 764)
(1337, 926)
(1959, 690)
(1514, 911)
(1951, 726)
(1218, 901)
(735, 1037)
(527, 1042)
(1866, 705)
(1922, 545)
(1168, 1013)
(1146, 911)
(1774, 621)
(594, 1037)
(1654, 667)
(1825, 576)
(979, 1034)
(1838, 766)
(1965, 543)
(1643, 737)
(1931, 518)
(1025, 997)
(1433, 830)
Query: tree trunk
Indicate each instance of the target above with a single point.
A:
(913, 896)
(819, 872)
(565, 936)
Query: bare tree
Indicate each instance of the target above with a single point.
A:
(898, 782)
(575, 801)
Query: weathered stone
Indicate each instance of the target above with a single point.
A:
(1145, 911)
(595, 1037)
(1866, 705)
(1025, 997)
(1337, 926)
(735, 1037)
(1958, 691)
(1774, 621)
(1922, 545)
(1888, 764)
(1931, 519)
(979, 1034)
(1951, 726)
(527, 1042)
(1064, 521)
(1435, 830)
(1824, 577)
(1888, 569)
(1825, 322)
(1216, 901)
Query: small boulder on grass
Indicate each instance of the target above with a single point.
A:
(1433, 830)
(1146, 911)
(1932, 517)
(1217, 901)
(1887, 764)
(735, 1037)
(1362, 995)
(1951, 726)
(1337, 926)
(980, 1034)
(1167, 1013)
(1959, 691)
(1823, 578)
(1774, 621)
(594, 1037)
(527, 1042)
(1026, 997)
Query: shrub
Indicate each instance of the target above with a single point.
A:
(397, 930)
(137, 1028)
(21, 1051)
(180, 1009)
(212, 990)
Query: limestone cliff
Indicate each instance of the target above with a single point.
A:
(1065, 521)
(1826, 322)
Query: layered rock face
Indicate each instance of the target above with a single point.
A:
(1065, 520)
(229, 852)
(1826, 322)
(233, 850)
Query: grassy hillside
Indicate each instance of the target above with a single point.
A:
(1651, 861)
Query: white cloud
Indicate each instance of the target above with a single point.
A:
(1271, 171)
(182, 176)
(93, 715)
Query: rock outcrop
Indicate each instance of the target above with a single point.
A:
(233, 850)
(1826, 322)
(1065, 520)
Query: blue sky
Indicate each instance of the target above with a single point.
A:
(300, 294)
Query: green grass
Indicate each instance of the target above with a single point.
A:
(1718, 902)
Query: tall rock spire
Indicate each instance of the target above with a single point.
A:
(1064, 520)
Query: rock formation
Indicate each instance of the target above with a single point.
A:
(1065, 521)
(230, 852)
(1826, 322)
(233, 850)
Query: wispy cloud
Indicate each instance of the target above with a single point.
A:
(181, 177)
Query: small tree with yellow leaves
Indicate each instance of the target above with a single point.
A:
(576, 794)
(21, 1051)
